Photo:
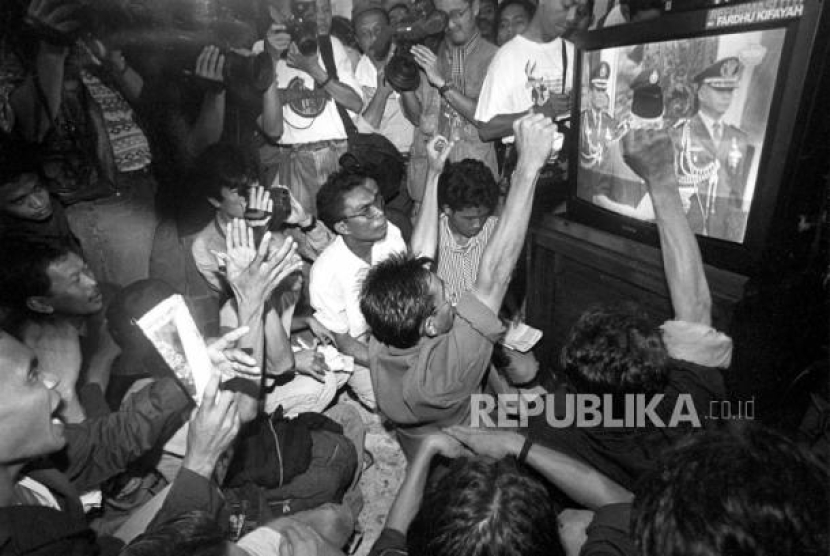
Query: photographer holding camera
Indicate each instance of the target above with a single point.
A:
(57, 93)
(445, 102)
(309, 138)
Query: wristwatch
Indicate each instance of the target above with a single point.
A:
(442, 90)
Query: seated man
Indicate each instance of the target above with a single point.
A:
(45, 462)
(616, 352)
(426, 363)
(56, 306)
(27, 211)
(351, 205)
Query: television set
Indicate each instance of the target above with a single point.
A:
(736, 88)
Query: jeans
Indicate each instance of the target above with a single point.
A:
(116, 232)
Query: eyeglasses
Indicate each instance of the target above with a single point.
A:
(370, 211)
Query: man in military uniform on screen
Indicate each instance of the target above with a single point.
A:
(713, 156)
(598, 132)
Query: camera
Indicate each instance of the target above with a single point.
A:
(302, 26)
(402, 72)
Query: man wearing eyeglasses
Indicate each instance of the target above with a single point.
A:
(351, 205)
(445, 102)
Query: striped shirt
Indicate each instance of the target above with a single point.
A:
(458, 264)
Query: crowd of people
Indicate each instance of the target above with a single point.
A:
(342, 230)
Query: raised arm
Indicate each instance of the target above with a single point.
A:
(425, 235)
(580, 481)
(650, 154)
(534, 139)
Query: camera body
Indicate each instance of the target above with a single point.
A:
(402, 72)
(302, 26)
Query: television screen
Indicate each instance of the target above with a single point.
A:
(712, 93)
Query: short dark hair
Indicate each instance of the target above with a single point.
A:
(23, 273)
(331, 197)
(614, 349)
(528, 6)
(221, 165)
(193, 533)
(395, 300)
(467, 183)
(484, 507)
(741, 491)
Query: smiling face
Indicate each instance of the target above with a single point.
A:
(462, 19)
(25, 198)
(74, 290)
(28, 426)
(599, 99)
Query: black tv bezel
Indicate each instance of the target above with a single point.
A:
(785, 124)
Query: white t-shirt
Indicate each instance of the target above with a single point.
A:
(522, 73)
(393, 124)
(336, 277)
(298, 129)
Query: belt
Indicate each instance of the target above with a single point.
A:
(314, 145)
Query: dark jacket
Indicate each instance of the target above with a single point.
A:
(95, 451)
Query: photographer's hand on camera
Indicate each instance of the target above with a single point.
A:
(277, 41)
(210, 66)
(428, 62)
(308, 64)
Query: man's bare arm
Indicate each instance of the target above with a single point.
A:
(650, 154)
(534, 139)
(499, 126)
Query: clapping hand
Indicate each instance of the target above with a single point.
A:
(254, 273)
(240, 248)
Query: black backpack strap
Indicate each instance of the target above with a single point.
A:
(327, 53)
